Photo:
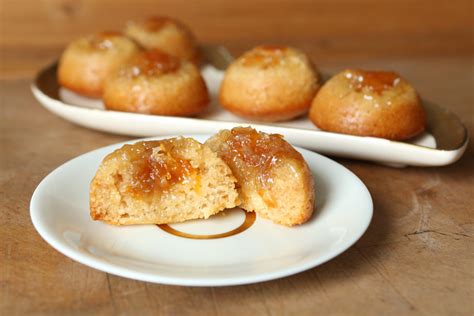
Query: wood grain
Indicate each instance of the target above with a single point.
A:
(33, 33)
(417, 256)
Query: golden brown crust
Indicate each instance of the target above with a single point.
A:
(378, 104)
(166, 34)
(266, 114)
(156, 83)
(274, 179)
(269, 83)
(86, 62)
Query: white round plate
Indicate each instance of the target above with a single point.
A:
(265, 251)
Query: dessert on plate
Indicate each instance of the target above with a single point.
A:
(153, 82)
(86, 62)
(273, 178)
(179, 179)
(269, 83)
(369, 103)
(157, 182)
(166, 34)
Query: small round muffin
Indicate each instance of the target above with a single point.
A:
(156, 83)
(369, 103)
(166, 34)
(87, 61)
(159, 182)
(273, 178)
(269, 83)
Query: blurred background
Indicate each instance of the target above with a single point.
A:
(33, 33)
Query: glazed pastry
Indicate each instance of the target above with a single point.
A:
(158, 182)
(87, 61)
(269, 83)
(273, 178)
(369, 103)
(156, 83)
(166, 34)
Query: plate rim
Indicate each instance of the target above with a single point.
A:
(118, 270)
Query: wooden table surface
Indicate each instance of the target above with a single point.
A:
(417, 256)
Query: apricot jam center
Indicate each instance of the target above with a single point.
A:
(154, 62)
(153, 167)
(258, 153)
(264, 56)
(376, 81)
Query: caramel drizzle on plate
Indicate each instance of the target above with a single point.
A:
(249, 220)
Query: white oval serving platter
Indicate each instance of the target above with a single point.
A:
(443, 143)
(264, 251)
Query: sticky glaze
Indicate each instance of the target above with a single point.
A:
(374, 81)
(154, 63)
(152, 167)
(264, 56)
(255, 155)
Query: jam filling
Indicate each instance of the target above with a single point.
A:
(154, 63)
(255, 155)
(153, 167)
(376, 81)
(264, 56)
